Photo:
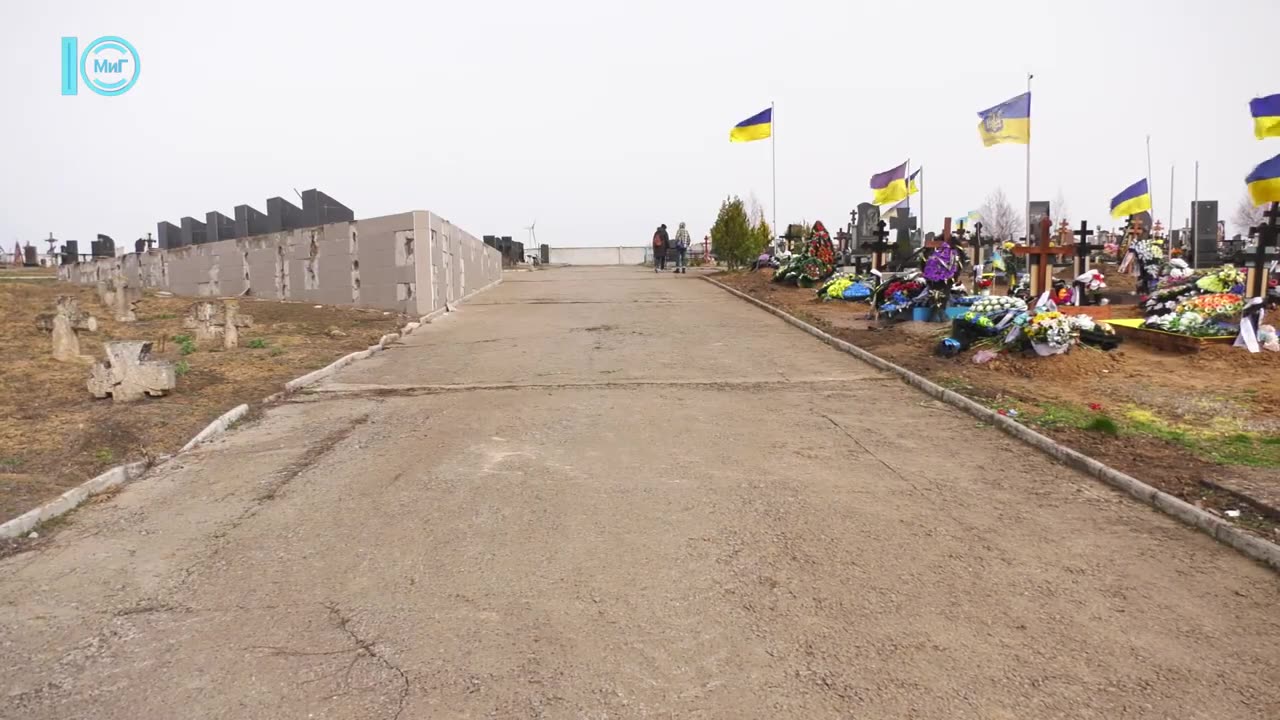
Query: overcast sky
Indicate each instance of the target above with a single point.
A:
(601, 119)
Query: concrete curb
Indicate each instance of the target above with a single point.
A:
(217, 427)
(71, 499)
(121, 474)
(1252, 546)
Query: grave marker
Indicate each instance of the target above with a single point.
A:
(1039, 258)
(1268, 233)
(62, 325)
(1084, 248)
(129, 374)
(208, 323)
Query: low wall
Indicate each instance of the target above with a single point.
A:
(620, 255)
(413, 263)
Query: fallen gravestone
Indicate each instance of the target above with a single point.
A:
(129, 374)
(62, 324)
(208, 323)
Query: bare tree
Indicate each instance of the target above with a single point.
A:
(1246, 215)
(1059, 208)
(999, 217)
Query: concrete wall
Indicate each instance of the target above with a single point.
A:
(621, 255)
(413, 263)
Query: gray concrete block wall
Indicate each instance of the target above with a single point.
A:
(412, 262)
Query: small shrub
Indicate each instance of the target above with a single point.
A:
(104, 455)
(181, 368)
(1104, 425)
(257, 343)
(276, 352)
(186, 345)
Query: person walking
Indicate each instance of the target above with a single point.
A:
(661, 241)
(682, 249)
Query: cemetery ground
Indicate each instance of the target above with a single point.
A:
(54, 435)
(1202, 426)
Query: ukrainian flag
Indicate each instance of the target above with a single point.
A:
(1132, 200)
(1008, 122)
(1264, 182)
(1266, 116)
(912, 187)
(889, 186)
(756, 127)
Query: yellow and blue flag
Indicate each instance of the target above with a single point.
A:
(889, 186)
(1266, 116)
(1264, 182)
(912, 187)
(756, 127)
(1008, 122)
(1132, 200)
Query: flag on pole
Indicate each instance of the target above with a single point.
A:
(756, 127)
(912, 187)
(1132, 200)
(1266, 116)
(1264, 182)
(889, 186)
(1008, 122)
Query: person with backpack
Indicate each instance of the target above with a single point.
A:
(682, 247)
(661, 241)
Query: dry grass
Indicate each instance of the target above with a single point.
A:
(54, 435)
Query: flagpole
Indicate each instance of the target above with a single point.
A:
(1030, 230)
(908, 187)
(923, 228)
(1151, 183)
(773, 151)
(1169, 232)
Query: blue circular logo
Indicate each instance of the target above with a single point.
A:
(110, 65)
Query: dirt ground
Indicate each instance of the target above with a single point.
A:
(55, 435)
(1203, 426)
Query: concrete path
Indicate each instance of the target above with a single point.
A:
(603, 493)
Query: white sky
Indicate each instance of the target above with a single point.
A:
(601, 119)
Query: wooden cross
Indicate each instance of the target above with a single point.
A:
(1039, 260)
(1268, 234)
(946, 235)
(1064, 233)
(879, 248)
(1084, 248)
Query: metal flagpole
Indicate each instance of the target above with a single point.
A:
(1170, 230)
(1151, 185)
(1030, 230)
(1195, 209)
(923, 228)
(773, 150)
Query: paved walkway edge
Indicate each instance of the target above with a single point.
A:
(1252, 546)
(119, 475)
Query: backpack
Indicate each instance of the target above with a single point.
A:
(657, 239)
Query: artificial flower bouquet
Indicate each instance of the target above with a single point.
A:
(1226, 279)
(1217, 305)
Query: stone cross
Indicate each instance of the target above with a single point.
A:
(63, 324)
(209, 324)
(1268, 233)
(1039, 258)
(120, 297)
(129, 374)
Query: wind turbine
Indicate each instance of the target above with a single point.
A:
(533, 235)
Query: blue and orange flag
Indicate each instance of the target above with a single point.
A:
(1008, 122)
(756, 127)
(1266, 116)
(889, 186)
(1264, 182)
(1132, 200)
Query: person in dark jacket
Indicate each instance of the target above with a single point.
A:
(661, 241)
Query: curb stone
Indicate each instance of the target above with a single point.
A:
(121, 474)
(1252, 546)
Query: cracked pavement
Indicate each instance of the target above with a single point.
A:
(600, 493)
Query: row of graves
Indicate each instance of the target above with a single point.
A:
(952, 278)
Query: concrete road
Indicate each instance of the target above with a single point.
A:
(602, 493)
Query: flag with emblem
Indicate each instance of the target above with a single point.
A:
(1008, 122)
